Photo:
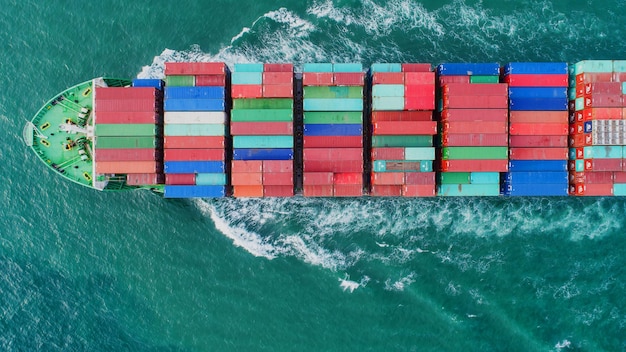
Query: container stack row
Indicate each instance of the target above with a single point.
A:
(597, 163)
(127, 129)
(332, 153)
(262, 130)
(538, 129)
(473, 129)
(402, 154)
(195, 129)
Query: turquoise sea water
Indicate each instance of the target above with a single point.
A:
(82, 270)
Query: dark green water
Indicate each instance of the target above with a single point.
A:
(86, 271)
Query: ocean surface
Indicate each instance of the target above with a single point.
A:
(82, 270)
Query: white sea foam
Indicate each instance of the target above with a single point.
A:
(401, 283)
(348, 285)
(563, 344)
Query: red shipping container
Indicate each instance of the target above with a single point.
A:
(419, 178)
(396, 128)
(211, 80)
(604, 165)
(472, 89)
(126, 154)
(213, 142)
(537, 141)
(420, 91)
(388, 78)
(277, 165)
(599, 177)
(135, 93)
(605, 101)
(278, 91)
(251, 191)
(144, 179)
(603, 88)
(538, 117)
(387, 153)
(247, 166)
(136, 117)
(246, 91)
(126, 167)
(278, 67)
(348, 190)
(194, 68)
(538, 154)
(619, 77)
(539, 129)
(378, 116)
(469, 115)
(349, 78)
(278, 191)
(419, 103)
(333, 154)
(318, 191)
(416, 67)
(577, 140)
(386, 191)
(475, 127)
(317, 178)
(535, 80)
(576, 128)
(419, 190)
(619, 177)
(443, 80)
(333, 166)
(475, 102)
(387, 178)
(348, 178)
(475, 165)
(284, 78)
(598, 190)
(419, 78)
(194, 154)
(246, 179)
(317, 79)
(333, 141)
(124, 105)
(261, 128)
(180, 179)
(593, 77)
(475, 139)
(278, 178)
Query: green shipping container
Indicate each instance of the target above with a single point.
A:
(248, 67)
(597, 66)
(347, 67)
(402, 141)
(387, 103)
(388, 90)
(333, 117)
(619, 65)
(484, 79)
(454, 178)
(211, 179)
(180, 81)
(484, 177)
(386, 67)
(247, 78)
(333, 104)
(402, 166)
(125, 130)
(125, 142)
(317, 67)
(619, 189)
(276, 103)
(263, 142)
(261, 115)
(208, 129)
(316, 92)
(426, 153)
(477, 153)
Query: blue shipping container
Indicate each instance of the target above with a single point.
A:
(529, 190)
(194, 105)
(195, 93)
(151, 83)
(538, 92)
(171, 191)
(262, 154)
(538, 104)
(535, 68)
(538, 165)
(536, 177)
(333, 130)
(193, 167)
(469, 69)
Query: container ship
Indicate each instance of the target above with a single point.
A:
(341, 130)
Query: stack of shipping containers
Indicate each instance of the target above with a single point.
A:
(333, 130)
(597, 128)
(262, 130)
(127, 126)
(473, 129)
(538, 129)
(402, 154)
(195, 129)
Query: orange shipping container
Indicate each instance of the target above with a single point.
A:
(246, 179)
(242, 191)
